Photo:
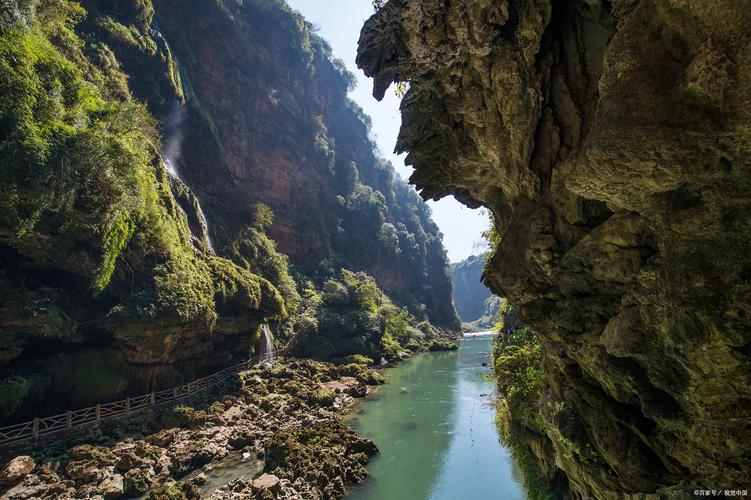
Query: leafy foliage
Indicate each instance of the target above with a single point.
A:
(395, 227)
(517, 358)
(353, 316)
(491, 234)
(80, 166)
(255, 251)
(69, 151)
(401, 88)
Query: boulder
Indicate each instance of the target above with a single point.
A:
(363, 445)
(16, 470)
(358, 391)
(131, 460)
(266, 482)
(84, 471)
(136, 482)
(163, 437)
(99, 454)
(112, 486)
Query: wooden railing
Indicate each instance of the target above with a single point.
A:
(56, 424)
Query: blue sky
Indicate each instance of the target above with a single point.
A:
(340, 22)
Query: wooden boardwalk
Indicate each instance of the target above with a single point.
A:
(60, 423)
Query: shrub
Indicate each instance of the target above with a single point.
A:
(13, 390)
(323, 397)
(352, 316)
(517, 358)
(257, 253)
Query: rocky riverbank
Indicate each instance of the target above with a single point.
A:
(285, 417)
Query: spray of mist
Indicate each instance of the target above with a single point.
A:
(171, 154)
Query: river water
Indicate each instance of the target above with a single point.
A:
(434, 423)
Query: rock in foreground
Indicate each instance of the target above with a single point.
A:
(279, 414)
(15, 470)
(611, 141)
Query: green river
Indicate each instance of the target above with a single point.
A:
(434, 423)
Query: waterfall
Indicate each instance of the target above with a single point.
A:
(267, 348)
(169, 166)
(205, 224)
(171, 151)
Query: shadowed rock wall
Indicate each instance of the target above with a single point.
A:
(268, 119)
(611, 142)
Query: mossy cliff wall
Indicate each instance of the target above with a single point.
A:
(119, 122)
(268, 119)
(103, 292)
(611, 141)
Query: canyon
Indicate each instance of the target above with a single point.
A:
(187, 184)
(477, 307)
(169, 192)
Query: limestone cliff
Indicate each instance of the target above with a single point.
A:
(611, 141)
(104, 289)
(139, 152)
(268, 119)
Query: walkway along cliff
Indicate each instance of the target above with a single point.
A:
(611, 142)
(55, 425)
(166, 191)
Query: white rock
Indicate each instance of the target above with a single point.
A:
(266, 482)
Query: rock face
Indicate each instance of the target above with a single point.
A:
(610, 140)
(104, 292)
(137, 149)
(469, 292)
(268, 119)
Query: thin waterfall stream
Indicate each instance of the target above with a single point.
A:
(267, 347)
(169, 166)
(170, 157)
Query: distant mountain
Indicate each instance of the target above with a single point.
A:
(476, 305)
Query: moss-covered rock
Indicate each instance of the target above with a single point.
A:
(298, 451)
(610, 141)
(443, 345)
(95, 255)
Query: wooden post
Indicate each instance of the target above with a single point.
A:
(68, 419)
(98, 413)
(174, 393)
(127, 407)
(152, 399)
(35, 429)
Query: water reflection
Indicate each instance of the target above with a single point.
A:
(412, 428)
(438, 438)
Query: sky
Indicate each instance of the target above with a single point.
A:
(340, 22)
